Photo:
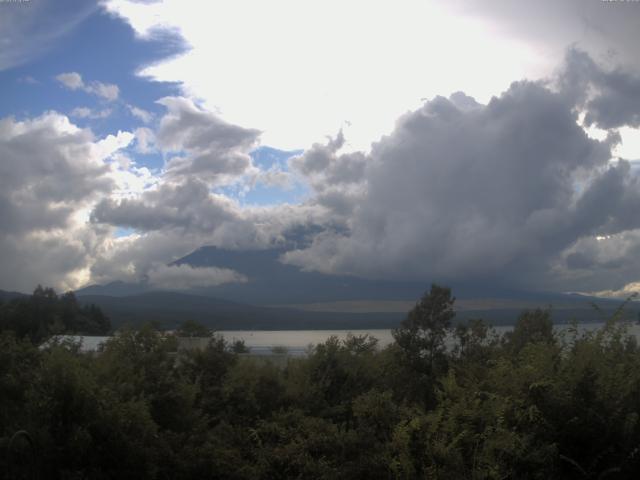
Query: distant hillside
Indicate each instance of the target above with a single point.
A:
(170, 309)
(5, 296)
(270, 282)
(277, 295)
(273, 282)
(114, 289)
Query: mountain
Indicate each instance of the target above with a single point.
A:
(277, 295)
(115, 289)
(273, 282)
(171, 308)
(6, 296)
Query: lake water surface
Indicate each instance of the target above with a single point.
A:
(297, 342)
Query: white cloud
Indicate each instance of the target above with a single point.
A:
(183, 277)
(51, 174)
(74, 81)
(105, 90)
(71, 80)
(112, 143)
(301, 70)
(85, 112)
(509, 192)
(141, 114)
(207, 147)
(145, 140)
(629, 290)
(275, 177)
(81, 112)
(29, 80)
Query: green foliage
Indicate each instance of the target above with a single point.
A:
(458, 403)
(45, 313)
(533, 326)
(421, 341)
(191, 328)
(238, 346)
(279, 350)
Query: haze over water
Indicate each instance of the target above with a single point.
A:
(297, 342)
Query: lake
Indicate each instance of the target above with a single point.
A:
(297, 342)
(260, 342)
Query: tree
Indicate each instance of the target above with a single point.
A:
(191, 328)
(421, 337)
(239, 346)
(45, 313)
(422, 334)
(533, 326)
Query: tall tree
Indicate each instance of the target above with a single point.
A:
(421, 338)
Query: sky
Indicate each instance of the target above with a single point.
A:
(465, 141)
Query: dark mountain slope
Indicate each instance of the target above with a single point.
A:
(170, 309)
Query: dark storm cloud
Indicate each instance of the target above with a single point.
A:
(336, 179)
(610, 204)
(610, 97)
(495, 192)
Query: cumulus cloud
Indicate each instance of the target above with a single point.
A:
(84, 112)
(190, 210)
(140, 113)
(71, 80)
(324, 166)
(209, 147)
(51, 174)
(510, 192)
(275, 177)
(211, 152)
(630, 290)
(596, 263)
(187, 206)
(184, 277)
(337, 179)
(130, 258)
(181, 211)
(462, 191)
(513, 192)
(610, 97)
(74, 81)
(48, 167)
(145, 140)
(104, 90)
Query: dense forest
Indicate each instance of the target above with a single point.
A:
(532, 403)
(44, 313)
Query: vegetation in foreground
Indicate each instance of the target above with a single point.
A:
(528, 404)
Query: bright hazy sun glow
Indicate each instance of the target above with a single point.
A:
(303, 70)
